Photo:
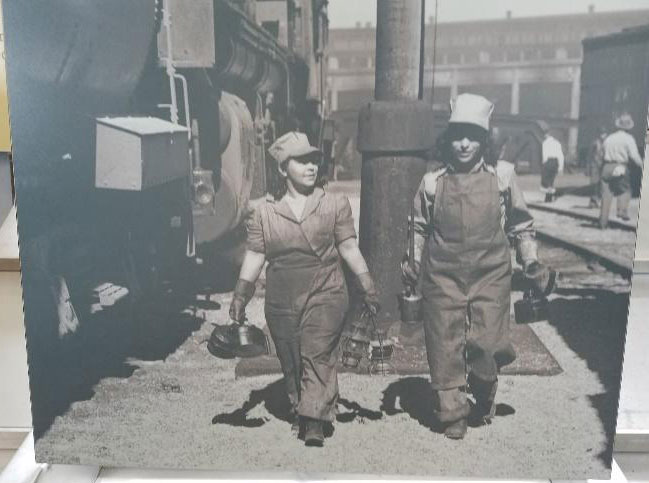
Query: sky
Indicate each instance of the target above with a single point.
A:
(345, 13)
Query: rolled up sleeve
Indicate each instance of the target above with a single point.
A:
(344, 225)
(255, 239)
(422, 208)
(421, 222)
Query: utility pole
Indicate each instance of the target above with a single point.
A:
(394, 133)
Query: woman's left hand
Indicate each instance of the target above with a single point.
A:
(372, 304)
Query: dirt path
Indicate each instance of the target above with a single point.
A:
(186, 411)
(184, 408)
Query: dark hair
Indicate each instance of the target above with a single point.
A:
(278, 184)
(488, 150)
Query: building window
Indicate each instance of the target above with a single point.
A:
(453, 58)
(513, 55)
(497, 56)
(484, 57)
(561, 53)
(272, 27)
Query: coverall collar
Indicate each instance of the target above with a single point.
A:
(282, 208)
(480, 166)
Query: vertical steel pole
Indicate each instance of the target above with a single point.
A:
(398, 37)
(394, 133)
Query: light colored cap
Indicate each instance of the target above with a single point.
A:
(624, 121)
(471, 109)
(291, 145)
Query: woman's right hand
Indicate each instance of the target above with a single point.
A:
(238, 310)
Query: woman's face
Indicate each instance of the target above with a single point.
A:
(465, 149)
(301, 172)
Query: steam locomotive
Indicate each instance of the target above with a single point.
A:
(140, 129)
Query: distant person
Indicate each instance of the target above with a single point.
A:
(552, 160)
(619, 148)
(596, 160)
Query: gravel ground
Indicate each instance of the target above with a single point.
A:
(188, 411)
(165, 405)
(619, 242)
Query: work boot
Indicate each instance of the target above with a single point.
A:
(295, 425)
(484, 393)
(456, 430)
(314, 435)
(451, 410)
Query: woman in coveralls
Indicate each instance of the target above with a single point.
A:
(303, 232)
(465, 212)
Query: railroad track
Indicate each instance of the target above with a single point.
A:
(619, 224)
(612, 249)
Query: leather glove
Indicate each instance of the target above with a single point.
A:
(409, 273)
(541, 277)
(369, 293)
(619, 170)
(243, 292)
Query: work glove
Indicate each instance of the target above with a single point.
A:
(541, 277)
(369, 293)
(619, 170)
(243, 292)
(410, 273)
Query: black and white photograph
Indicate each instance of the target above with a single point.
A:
(379, 238)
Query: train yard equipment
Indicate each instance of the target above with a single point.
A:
(141, 129)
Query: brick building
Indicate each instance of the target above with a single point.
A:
(530, 67)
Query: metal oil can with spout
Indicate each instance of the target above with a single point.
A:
(409, 300)
(534, 306)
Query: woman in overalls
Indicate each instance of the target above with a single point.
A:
(465, 212)
(303, 232)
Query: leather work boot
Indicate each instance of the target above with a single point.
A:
(452, 409)
(484, 393)
(295, 425)
(314, 435)
(457, 429)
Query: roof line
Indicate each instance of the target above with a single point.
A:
(514, 19)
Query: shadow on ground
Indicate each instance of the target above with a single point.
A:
(274, 399)
(593, 324)
(410, 395)
(413, 396)
(65, 371)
